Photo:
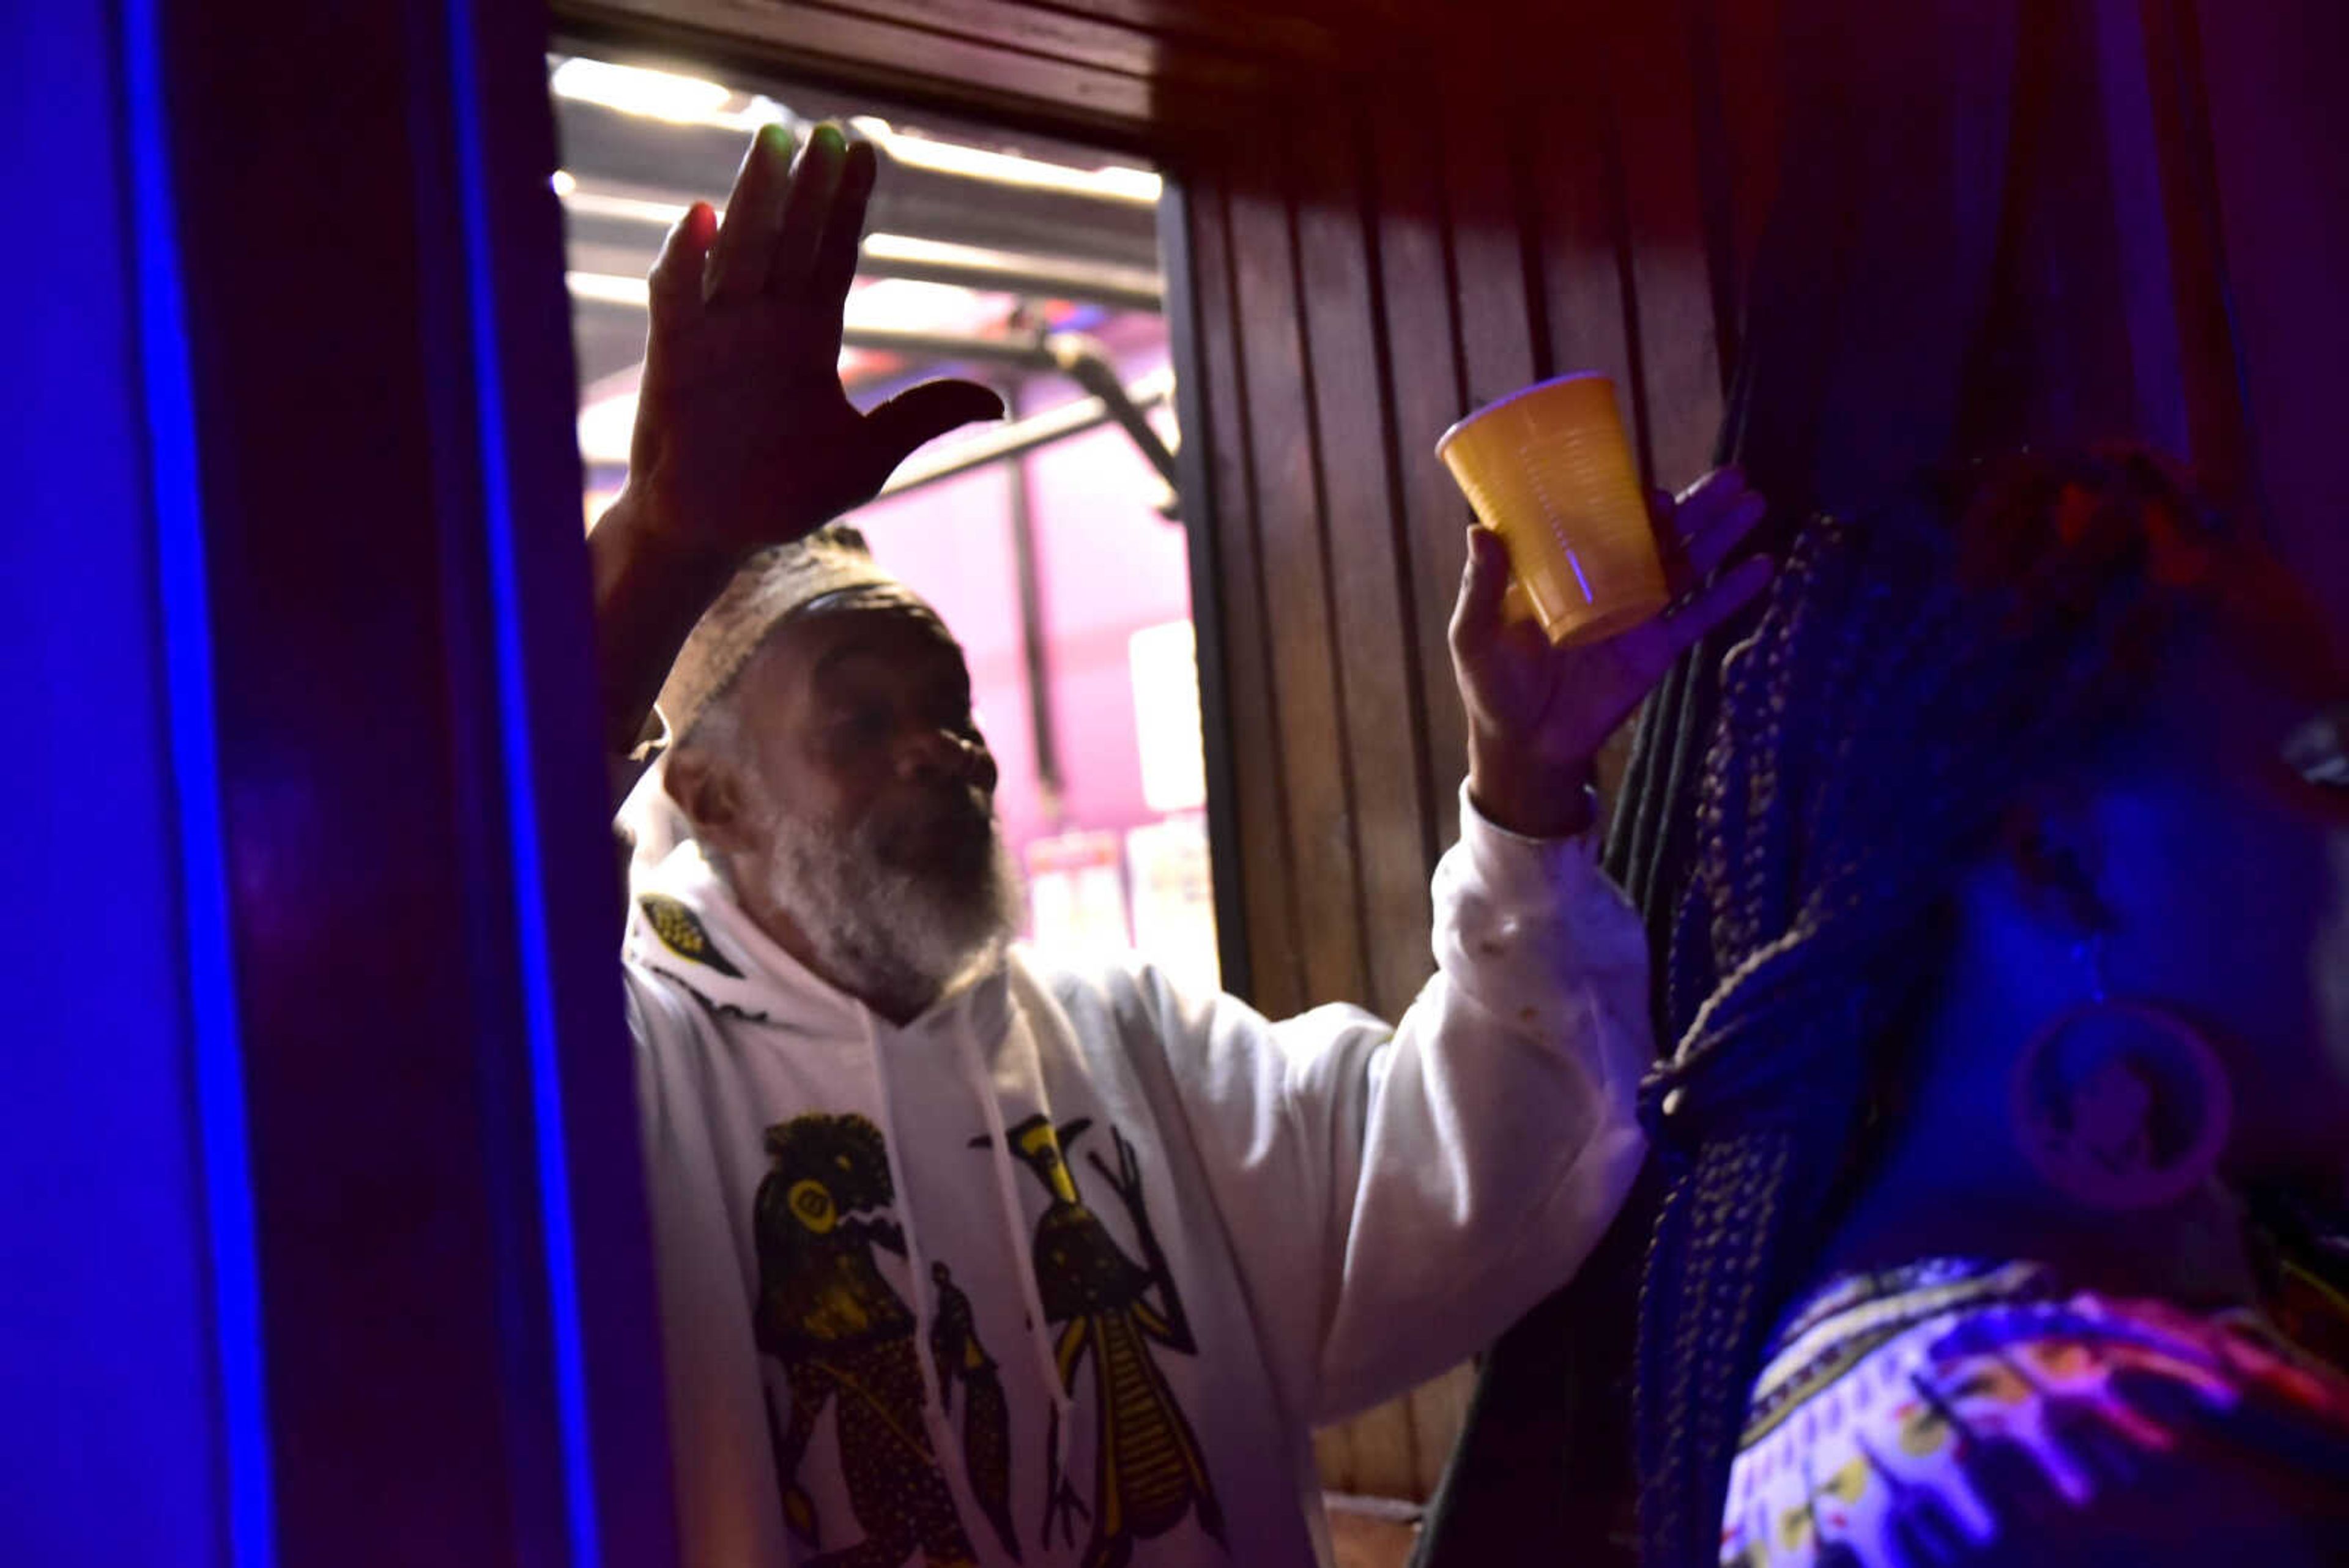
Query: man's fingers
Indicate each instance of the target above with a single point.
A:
(674, 282)
(1703, 504)
(843, 230)
(1713, 491)
(807, 209)
(1715, 604)
(1711, 542)
(1667, 528)
(923, 413)
(1476, 618)
(745, 246)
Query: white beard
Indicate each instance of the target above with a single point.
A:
(898, 937)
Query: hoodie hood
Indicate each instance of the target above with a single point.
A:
(685, 924)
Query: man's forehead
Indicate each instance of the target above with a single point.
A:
(894, 627)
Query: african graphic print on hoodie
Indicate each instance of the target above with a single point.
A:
(1065, 1271)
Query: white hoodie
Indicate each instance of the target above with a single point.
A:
(898, 1322)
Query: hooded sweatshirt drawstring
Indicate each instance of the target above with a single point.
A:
(925, 1304)
(1007, 1184)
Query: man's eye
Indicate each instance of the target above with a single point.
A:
(865, 721)
(2318, 749)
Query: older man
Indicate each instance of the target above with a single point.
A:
(971, 1255)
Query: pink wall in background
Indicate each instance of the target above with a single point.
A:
(1108, 564)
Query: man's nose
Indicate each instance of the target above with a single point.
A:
(939, 753)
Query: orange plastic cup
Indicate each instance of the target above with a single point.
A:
(1548, 470)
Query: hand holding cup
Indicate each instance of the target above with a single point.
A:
(1540, 711)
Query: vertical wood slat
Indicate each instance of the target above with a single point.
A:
(1650, 56)
(1378, 686)
(1276, 968)
(1747, 38)
(1422, 387)
(1298, 626)
(1179, 241)
(1578, 205)
(1496, 350)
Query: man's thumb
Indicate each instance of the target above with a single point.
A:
(922, 414)
(1477, 615)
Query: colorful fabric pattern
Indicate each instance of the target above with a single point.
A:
(1962, 1413)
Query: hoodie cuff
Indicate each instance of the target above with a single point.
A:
(1514, 868)
(1530, 926)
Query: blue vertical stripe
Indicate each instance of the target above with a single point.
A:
(521, 812)
(188, 654)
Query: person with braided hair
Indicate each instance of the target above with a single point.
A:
(2011, 992)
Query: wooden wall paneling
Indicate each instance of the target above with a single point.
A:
(1421, 338)
(1372, 621)
(1745, 42)
(1650, 50)
(1204, 552)
(1276, 968)
(891, 56)
(1281, 32)
(1488, 243)
(1176, 65)
(1298, 626)
(1578, 203)
(1493, 312)
(1377, 290)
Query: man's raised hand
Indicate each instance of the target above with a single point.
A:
(744, 436)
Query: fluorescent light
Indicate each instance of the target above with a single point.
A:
(600, 204)
(926, 306)
(636, 89)
(1138, 187)
(608, 288)
(633, 208)
(605, 427)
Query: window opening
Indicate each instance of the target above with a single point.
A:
(1049, 541)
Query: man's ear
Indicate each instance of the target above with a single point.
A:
(708, 789)
(2053, 852)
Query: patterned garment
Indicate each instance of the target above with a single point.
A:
(1966, 1413)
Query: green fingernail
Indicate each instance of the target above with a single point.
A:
(830, 140)
(776, 138)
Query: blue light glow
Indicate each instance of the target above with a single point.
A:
(187, 641)
(522, 815)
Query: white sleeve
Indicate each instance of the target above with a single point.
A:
(1397, 1196)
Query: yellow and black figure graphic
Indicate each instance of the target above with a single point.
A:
(683, 934)
(846, 1339)
(1148, 1471)
(960, 1360)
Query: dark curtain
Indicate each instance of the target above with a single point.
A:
(1943, 273)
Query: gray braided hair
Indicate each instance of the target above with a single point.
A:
(1912, 674)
